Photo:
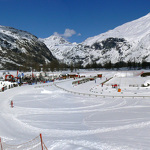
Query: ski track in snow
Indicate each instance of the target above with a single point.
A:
(68, 121)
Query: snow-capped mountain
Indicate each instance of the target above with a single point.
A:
(20, 48)
(128, 42)
(65, 51)
(58, 46)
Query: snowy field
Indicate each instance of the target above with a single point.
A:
(88, 116)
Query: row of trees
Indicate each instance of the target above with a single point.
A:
(54, 65)
(121, 64)
(59, 66)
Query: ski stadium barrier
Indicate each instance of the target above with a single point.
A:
(104, 96)
(34, 144)
(94, 94)
(43, 85)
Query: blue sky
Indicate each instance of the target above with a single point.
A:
(76, 20)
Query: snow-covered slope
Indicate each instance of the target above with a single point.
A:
(132, 31)
(67, 52)
(136, 34)
(87, 116)
(20, 48)
(128, 42)
(58, 46)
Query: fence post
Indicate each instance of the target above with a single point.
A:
(1, 144)
(12, 105)
(41, 141)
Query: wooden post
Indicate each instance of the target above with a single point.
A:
(12, 105)
(1, 144)
(41, 141)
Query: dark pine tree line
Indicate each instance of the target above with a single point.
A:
(55, 65)
(129, 65)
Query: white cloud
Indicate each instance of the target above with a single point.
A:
(79, 34)
(68, 33)
(56, 33)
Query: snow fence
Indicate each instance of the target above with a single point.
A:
(34, 144)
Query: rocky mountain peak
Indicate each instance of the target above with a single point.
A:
(20, 48)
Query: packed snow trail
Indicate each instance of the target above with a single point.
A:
(68, 121)
(12, 128)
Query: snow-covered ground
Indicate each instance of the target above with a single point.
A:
(88, 116)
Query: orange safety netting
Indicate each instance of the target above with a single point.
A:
(34, 144)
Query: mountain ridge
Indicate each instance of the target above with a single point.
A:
(20, 48)
(127, 42)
